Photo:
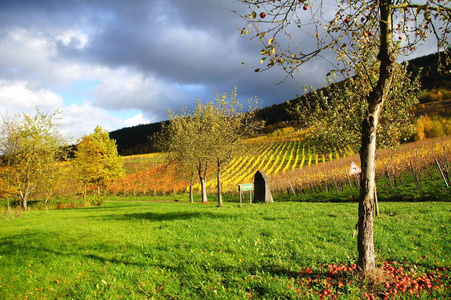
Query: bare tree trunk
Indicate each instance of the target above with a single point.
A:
(365, 237)
(203, 186)
(191, 194)
(26, 192)
(202, 172)
(219, 184)
(376, 99)
(24, 202)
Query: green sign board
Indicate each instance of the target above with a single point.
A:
(245, 187)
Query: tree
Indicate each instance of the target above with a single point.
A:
(208, 135)
(335, 111)
(190, 139)
(31, 147)
(392, 27)
(176, 142)
(96, 160)
(231, 123)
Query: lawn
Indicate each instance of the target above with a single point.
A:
(149, 250)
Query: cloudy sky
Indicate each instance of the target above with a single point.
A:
(121, 63)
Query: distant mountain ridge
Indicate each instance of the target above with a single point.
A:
(134, 140)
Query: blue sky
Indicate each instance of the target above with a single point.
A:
(122, 63)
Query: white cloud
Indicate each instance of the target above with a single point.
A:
(18, 97)
(81, 119)
(136, 120)
(73, 38)
(124, 89)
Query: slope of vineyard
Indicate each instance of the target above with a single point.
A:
(418, 159)
(150, 173)
(290, 163)
(277, 157)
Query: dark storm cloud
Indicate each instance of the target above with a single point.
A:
(162, 53)
(186, 41)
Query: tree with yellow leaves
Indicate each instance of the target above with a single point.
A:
(97, 160)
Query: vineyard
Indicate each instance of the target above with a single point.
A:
(272, 157)
(412, 165)
(291, 164)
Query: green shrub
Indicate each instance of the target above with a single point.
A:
(432, 127)
(435, 95)
(282, 131)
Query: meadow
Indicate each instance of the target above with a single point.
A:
(177, 250)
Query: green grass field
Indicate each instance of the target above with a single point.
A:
(149, 250)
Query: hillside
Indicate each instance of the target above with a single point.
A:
(135, 140)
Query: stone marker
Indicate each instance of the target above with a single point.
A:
(262, 191)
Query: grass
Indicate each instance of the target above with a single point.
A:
(148, 250)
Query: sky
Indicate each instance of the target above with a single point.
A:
(122, 63)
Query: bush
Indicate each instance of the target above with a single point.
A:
(427, 97)
(435, 95)
(282, 131)
(427, 127)
(273, 127)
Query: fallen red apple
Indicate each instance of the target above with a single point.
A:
(262, 15)
(347, 20)
(305, 7)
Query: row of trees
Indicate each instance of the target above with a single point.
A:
(33, 152)
(209, 135)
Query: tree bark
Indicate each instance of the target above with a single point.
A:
(365, 240)
(203, 181)
(219, 184)
(203, 185)
(376, 99)
(98, 189)
(26, 192)
(24, 201)
(191, 194)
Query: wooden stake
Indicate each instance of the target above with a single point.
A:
(349, 180)
(441, 173)
(414, 174)
(376, 201)
(292, 188)
(388, 176)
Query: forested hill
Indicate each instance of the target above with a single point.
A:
(430, 79)
(134, 140)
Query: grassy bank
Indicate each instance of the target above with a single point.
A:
(145, 250)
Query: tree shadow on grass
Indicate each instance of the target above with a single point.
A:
(158, 217)
(25, 245)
